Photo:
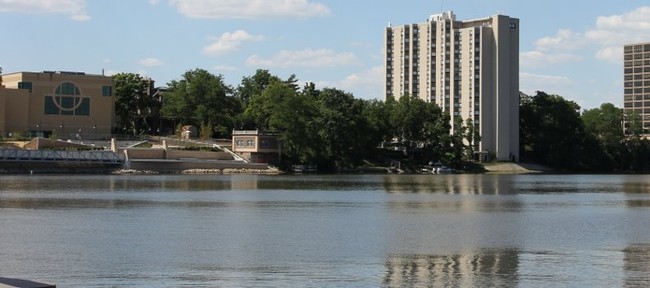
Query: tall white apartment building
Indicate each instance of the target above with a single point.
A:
(468, 68)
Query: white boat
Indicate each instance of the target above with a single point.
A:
(438, 168)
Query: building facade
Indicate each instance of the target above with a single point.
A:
(73, 105)
(468, 68)
(257, 146)
(636, 74)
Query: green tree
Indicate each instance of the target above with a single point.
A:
(459, 145)
(263, 106)
(552, 133)
(408, 122)
(637, 147)
(202, 99)
(422, 127)
(377, 116)
(473, 137)
(633, 123)
(342, 128)
(254, 85)
(605, 125)
(280, 108)
(639, 154)
(605, 122)
(133, 104)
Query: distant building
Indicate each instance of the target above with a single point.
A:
(257, 146)
(72, 104)
(636, 74)
(468, 68)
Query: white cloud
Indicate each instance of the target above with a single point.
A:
(153, 2)
(366, 84)
(616, 29)
(612, 32)
(229, 42)
(371, 77)
(150, 62)
(557, 49)
(635, 20)
(611, 54)
(311, 58)
(74, 8)
(361, 44)
(248, 9)
(565, 40)
(605, 40)
(540, 58)
(224, 68)
(549, 83)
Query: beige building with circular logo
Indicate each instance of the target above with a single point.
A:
(70, 104)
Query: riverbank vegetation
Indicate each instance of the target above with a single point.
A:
(330, 128)
(555, 132)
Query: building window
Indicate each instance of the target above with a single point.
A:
(25, 85)
(513, 25)
(67, 100)
(107, 91)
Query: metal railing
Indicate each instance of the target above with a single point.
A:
(107, 157)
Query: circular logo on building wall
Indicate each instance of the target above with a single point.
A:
(67, 100)
(62, 99)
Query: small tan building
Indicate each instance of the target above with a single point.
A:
(71, 104)
(257, 146)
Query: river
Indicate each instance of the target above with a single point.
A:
(326, 230)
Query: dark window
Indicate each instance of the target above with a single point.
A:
(107, 91)
(25, 85)
(67, 88)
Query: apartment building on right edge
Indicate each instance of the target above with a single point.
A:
(468, 68)
(636, 74)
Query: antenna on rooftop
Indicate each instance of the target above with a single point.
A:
(442, 6)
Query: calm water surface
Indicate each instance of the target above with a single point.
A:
(327, 231)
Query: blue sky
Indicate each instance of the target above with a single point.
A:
(570, 48)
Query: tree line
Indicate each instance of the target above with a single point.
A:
(331, 128)
(555, 132)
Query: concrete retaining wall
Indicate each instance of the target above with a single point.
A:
(208, 155)
(170, 154)
(173, 166)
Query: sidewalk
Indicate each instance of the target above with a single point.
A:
(516, 168)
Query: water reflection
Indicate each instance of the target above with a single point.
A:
(94, 183)
(638, 203)
(327, 230)
(486, 268)
(636, 264)
(450, 184)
